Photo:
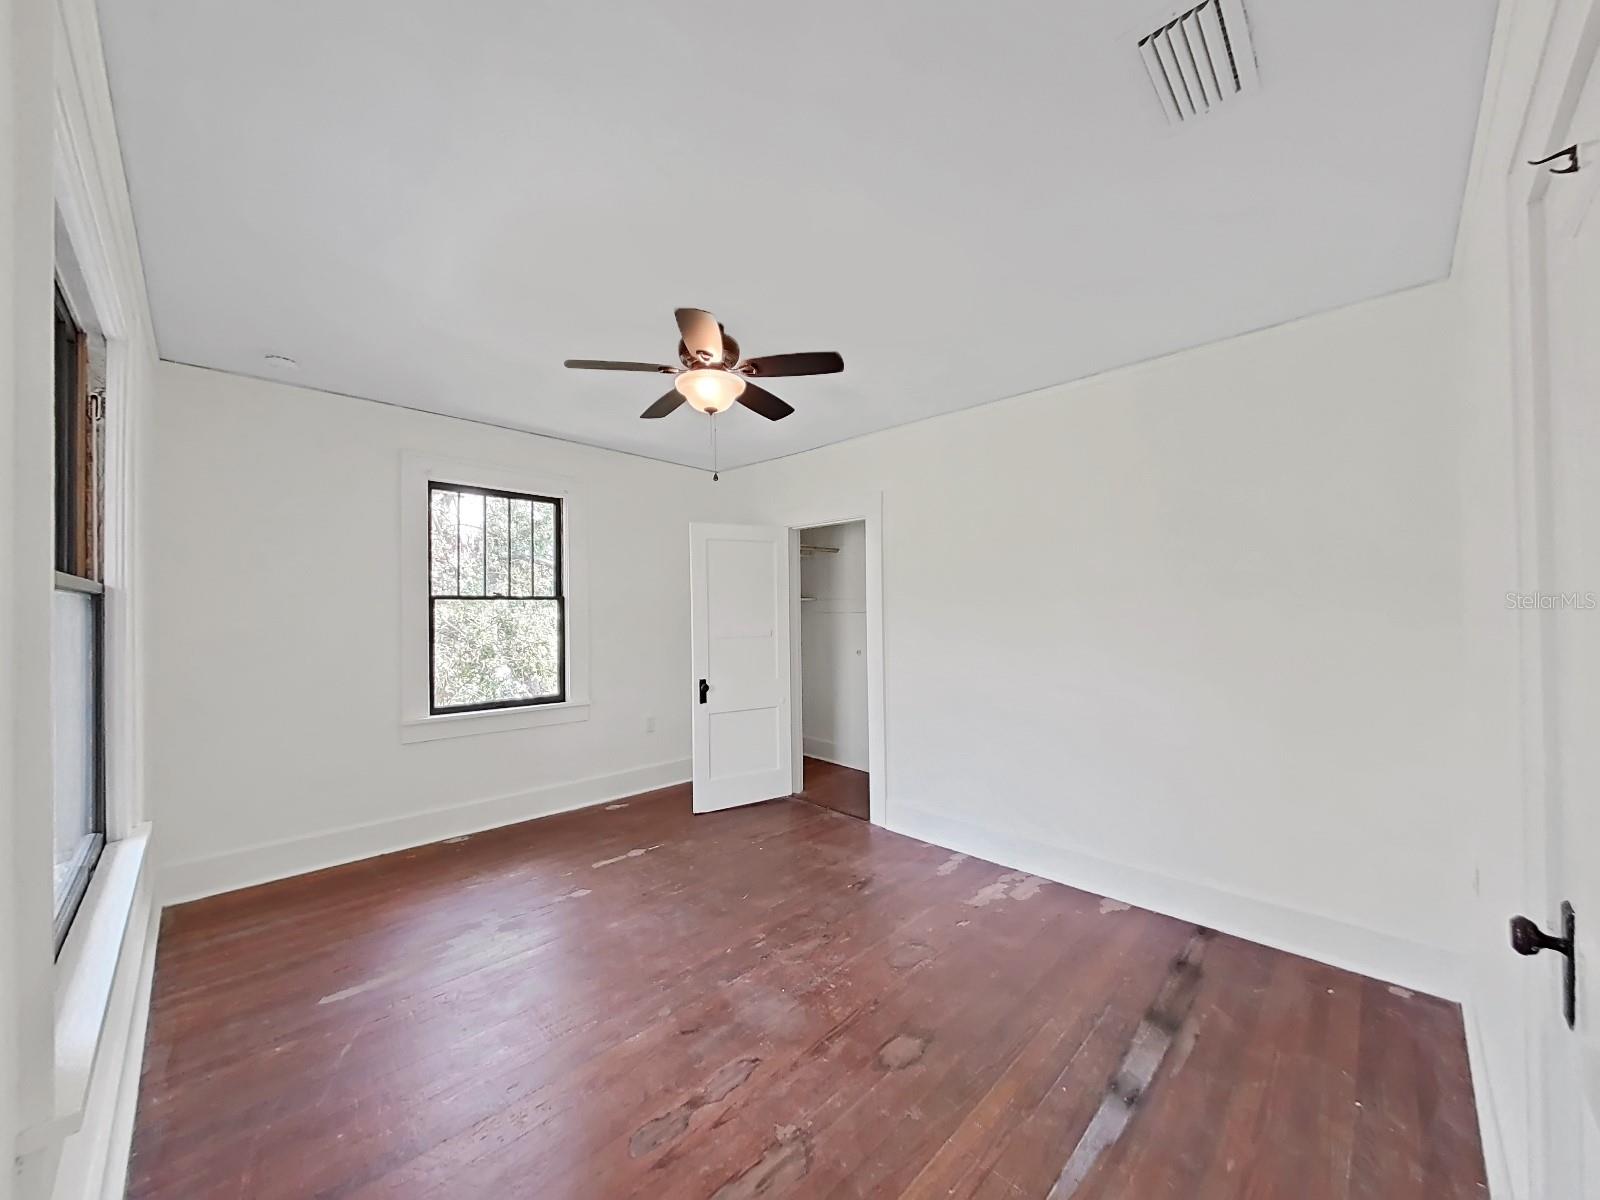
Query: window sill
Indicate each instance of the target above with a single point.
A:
(450, 725)
(85, 973)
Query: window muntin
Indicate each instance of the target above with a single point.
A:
(497, 620)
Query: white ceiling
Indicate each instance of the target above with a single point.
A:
(434, 204)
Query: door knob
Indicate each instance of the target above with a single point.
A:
(1528, 939)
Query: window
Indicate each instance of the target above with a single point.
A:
(494, 618)
(77, 620)
(79, 442)
(497, 620)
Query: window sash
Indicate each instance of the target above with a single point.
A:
(77, 498)
(558, 594)
(90, 703)
(558, 566)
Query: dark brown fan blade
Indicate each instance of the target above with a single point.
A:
(810, 362)
(663, 406)
(600, 364)
(759, 400)
(701, 333)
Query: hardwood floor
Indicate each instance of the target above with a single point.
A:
(842, 789)
(770, 1001)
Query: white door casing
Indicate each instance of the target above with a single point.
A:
(739, 635)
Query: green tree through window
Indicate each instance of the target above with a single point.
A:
(497, 603)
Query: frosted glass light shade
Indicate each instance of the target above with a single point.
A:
(710, 389)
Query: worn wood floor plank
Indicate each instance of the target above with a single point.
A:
(773, 1001)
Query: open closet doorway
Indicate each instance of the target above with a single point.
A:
(833, 667)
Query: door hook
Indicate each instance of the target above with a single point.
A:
(1569, 155)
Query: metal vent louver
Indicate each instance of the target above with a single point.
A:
(1200, 59)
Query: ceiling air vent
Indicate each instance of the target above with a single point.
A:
(1200, 59)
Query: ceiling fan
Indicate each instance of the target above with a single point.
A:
(712, 377)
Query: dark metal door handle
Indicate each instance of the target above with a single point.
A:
(1528, 939)
(704, 688)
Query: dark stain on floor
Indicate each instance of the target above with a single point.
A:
(670, 1125)
(785, 1162)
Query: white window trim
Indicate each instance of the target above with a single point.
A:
(97, 264)
(417, 471)
(86, 974)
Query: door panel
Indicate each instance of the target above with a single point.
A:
(739, 606)
(1569, 224)
(741, 742)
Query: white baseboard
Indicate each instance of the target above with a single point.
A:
(263, 863)
(829, 752)
(1366, 951)
(1497, 1166)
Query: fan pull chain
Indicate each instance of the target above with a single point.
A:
(714, 475)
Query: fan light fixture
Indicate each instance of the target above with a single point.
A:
(714, 376)
(710, 389)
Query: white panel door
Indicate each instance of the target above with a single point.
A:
(1569, 612)
(739, 616)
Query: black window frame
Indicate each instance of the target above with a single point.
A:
(558, 504)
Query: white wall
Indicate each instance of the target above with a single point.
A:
(65, 1093)
(833, 635)
(1190, 633)
(273, 714)
(26, 1020)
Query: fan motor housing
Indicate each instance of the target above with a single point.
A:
(730, 354)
